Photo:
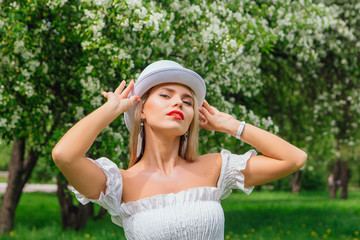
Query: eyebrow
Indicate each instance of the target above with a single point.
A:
(172, 90)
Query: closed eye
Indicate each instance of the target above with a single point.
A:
(188, 103)
(164, 95)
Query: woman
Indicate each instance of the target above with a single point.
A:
(168, 192)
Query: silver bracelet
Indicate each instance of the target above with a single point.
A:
(240, 130)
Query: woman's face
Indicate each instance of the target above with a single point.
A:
(170, 108)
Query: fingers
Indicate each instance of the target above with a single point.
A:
(135, 99)
(202, 124)
(105, 94)
(202, 117)
(128, 89)
(204, 112)
(120, 88)
(208, 107)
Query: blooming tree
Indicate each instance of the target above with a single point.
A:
(57, 56)
(338, 102)
(314, 68)
(38, 87)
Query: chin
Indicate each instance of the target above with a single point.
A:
(167, 128)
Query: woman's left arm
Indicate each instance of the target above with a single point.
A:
(279, 158)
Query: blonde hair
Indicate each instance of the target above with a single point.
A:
(189, 151)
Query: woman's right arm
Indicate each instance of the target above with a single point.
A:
(68, 154)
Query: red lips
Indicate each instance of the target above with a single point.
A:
(176, 114)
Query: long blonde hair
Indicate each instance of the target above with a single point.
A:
(189, 152)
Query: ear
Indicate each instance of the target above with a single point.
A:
(142, 115)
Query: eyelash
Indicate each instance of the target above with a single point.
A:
(186, 102)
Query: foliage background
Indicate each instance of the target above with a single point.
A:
(290, 67)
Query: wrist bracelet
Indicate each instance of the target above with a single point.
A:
(240, 130)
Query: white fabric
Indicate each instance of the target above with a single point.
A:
(192, 214)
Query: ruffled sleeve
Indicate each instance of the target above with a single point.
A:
(111, 200)
(231, 176)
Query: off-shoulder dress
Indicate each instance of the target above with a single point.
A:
(192, 214)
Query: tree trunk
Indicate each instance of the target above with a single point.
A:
(337, 172)
(295, 181)
(344, 180)
(72, 217)
(19, 172)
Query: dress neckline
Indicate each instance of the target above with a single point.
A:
(164, 195)
(191, 196)
(187, 191)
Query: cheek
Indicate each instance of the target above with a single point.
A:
(151, 107)
(191, 115)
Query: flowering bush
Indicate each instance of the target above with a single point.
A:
(57, 56)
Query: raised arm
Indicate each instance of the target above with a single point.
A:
(279, 158)
(68, 154)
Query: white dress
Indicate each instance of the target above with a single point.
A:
(192, 214)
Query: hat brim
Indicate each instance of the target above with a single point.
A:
(166, 75)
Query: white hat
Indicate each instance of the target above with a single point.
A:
(164, 71)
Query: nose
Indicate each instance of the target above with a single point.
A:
(177, 102)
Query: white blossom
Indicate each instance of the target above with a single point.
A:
(33, 64)
(134, 3)
(79, 113)
(13, 4)
(18, 46)
(52, 4)
(141, 12)
(45, 68)
(89, 14)
(26, 55)
(89, 68)
(125, 23)
(103, 3)
(85, 44)
(3, 122)
(25, 73)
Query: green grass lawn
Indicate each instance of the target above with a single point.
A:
(5, 153)
(282, 215)
(262, 215)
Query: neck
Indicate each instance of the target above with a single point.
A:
(161, 151)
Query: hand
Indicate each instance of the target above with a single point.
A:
(212, 119)
(119, 96)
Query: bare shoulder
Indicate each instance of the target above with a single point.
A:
(211, 162)
(210, 158)
(123, 172)
(130, 172)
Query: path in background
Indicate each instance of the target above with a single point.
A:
(29, 187)
(47, 188)
(4, 174)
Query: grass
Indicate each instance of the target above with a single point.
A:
(5, 153)
(262, 215)
(281, 215)
(38, 218)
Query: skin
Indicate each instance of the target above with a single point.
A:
(161, 170)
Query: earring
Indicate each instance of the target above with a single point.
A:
(139, 149)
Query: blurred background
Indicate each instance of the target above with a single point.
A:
(290, 67)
